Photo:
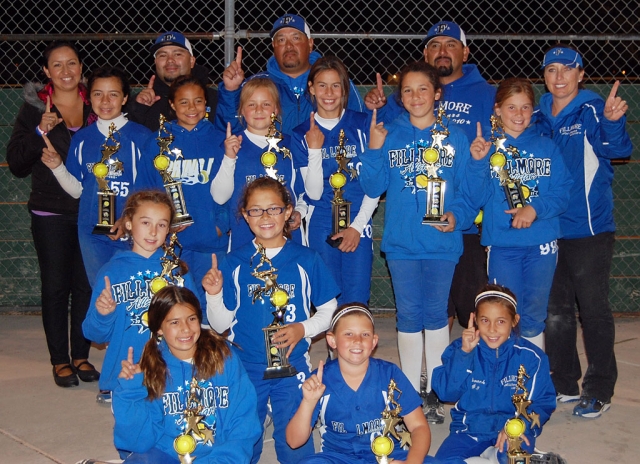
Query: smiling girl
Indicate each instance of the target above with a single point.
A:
(478, 374)
(522, 242)
(108, 91)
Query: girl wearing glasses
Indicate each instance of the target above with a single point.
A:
(266, 206)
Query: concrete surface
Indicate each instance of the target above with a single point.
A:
(41, 423)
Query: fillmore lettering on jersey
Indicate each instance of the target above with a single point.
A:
(576, 129)
(368, 427)
(350, 151)
(289, 288)
(405, 157)
(525, 169)
(211, 399)
(191, 171)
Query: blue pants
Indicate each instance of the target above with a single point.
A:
(421, 289)
(199, 264)
(62, 273)
(97, 250)
(153, 456)
(583, 276)
(331, 457)
(285, 396)
(528, 273)
(351, 271)
(459, 446)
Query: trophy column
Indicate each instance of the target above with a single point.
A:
(106, 196)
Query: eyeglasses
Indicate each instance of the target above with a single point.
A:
(273, 211)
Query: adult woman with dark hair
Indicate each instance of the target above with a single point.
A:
(590, 132)
(58, 109)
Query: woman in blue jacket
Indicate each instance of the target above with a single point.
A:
(590, 132)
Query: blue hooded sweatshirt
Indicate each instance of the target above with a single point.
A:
(588, 142)
(129, 274)
(294, 99)
(229, 409)
(541, 170)
(481, 384)
(202, 151)
(398, 169)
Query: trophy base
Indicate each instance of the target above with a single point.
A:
(279, 372)
(434, 221)
(101, 229)
(334, 243)
(183, 221)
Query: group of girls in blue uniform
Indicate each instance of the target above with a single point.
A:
(180, 389)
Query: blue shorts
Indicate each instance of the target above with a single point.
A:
(421, 289)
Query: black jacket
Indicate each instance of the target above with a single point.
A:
(25, 150)
(149, 116)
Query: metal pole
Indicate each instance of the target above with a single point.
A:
(229, 30)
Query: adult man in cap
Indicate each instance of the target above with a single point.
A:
(288, 68)
(173, 58)
(468, 99)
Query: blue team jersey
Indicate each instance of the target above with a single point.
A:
(86, 150)
(356, 128)
(301, 273)
(350, 420)
(130, 275)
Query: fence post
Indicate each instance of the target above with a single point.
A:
(229, 31)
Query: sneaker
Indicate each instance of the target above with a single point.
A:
(562, 398)
(103, 397)
(591, 407)
(546, 458)
(433, 409)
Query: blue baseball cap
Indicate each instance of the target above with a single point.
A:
(445, 29)
(291, 20)
(566, 56)
(172, 38)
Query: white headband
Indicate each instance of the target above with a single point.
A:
(498, 294)
(347, 310)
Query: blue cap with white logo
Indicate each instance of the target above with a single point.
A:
(291, 20)
(566, 56)
(446, 29)
(172, 38)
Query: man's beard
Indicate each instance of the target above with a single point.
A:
(444, 71)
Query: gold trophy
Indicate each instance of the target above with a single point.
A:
(106, 196)
(269, 158)
(436, 187)
(194, 430)
(515, 192)
(277, 363)
(170, 262)
(382, 446)
(340, 208)
(173, 187)
(515, 427)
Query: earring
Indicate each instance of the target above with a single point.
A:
(158, 339)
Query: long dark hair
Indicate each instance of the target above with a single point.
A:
(328, 63)
(427, 70)
(211, 349)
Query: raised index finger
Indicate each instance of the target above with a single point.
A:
(107, 284)
(320, 370)
(478, 130)
(312, 120)
(214, 262)
(239, 56)
(614, 89)
(228, 132)
(373, 118)
(379, 83)
(130, 355)
(151, 81)
(47, 107)
(48, 142)
(472, 316)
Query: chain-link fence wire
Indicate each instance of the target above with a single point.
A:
(369, 37)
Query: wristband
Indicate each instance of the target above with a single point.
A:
(40, 132)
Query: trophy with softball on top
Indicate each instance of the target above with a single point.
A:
(174, 188)
(340, 208)
(170, 261)
(277, 362)
(436, 187)
(106, 196)
(269, 158)
(382, 446)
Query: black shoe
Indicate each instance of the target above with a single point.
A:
(88, 375)
(65, 381)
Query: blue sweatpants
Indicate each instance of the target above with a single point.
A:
(331, 457)
(459, 446)
(97, 250)
(528, 273)
(352, 271)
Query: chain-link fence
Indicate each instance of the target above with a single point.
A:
(369, 37)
